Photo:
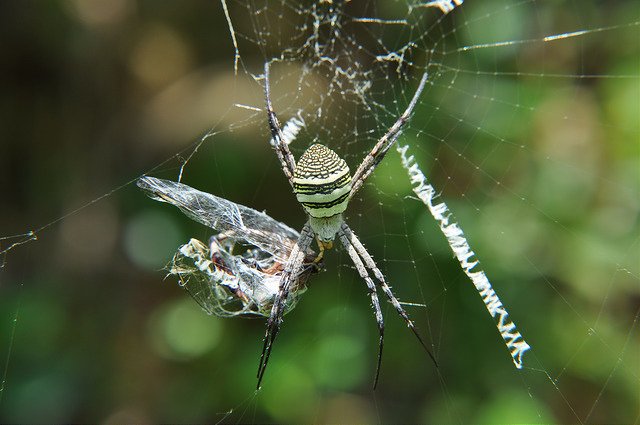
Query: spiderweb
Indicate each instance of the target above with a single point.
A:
(528, 130)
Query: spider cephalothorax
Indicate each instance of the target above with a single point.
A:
(322, 183)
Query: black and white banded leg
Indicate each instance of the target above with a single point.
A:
(291, 271)
(373, 158)
(371, 265)
(362, 271)
(277, 137)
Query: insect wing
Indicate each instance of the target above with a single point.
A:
(224, 283)
(243, 223)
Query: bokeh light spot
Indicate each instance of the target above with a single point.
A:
(150, 239)
(181, 331)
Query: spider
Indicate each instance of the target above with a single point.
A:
(323, 185)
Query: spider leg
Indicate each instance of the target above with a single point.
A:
(373, 158)
(292, 270)
(277, 138)
(362, 271)
(362, 252)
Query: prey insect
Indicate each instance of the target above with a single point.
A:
(238, 272)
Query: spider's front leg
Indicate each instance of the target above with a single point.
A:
(373, 158)
(291, 272)
(278, 140)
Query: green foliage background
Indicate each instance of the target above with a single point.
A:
(96, 93)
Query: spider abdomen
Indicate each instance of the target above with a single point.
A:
(322, 182)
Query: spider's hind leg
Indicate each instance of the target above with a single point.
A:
(288, 279)
(362, 271)
(362, 252)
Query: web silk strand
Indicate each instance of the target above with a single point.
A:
(514, 341)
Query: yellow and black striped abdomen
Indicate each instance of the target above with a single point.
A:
(322, 182)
